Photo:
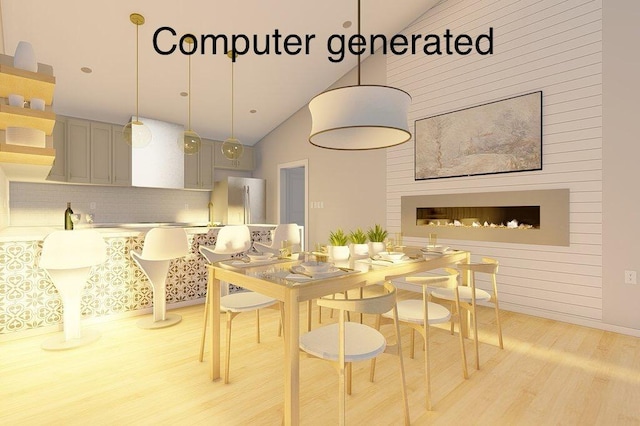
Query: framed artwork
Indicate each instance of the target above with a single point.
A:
(498, 137)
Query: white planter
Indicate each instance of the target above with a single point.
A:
(359, 249)
(338, 252)
(375, 248)
(25, 57)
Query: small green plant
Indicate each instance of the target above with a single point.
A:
(358, 236)
(338, 238)
(377, 234)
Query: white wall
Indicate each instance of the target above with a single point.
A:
(556, 47)
(350, 185)
(621, 200)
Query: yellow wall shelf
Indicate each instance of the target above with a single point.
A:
(11, 116)
(26, 83)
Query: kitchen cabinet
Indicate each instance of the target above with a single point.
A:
(59, 169)
(198, 168)
(78, 151)
(120, 158)
(243, 163)
(90, 152)
(101, 141)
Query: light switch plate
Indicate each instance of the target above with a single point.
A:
(630, 277)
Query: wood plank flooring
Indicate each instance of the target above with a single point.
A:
(548, 373)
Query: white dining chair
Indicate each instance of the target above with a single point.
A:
(289, 232)
(470, 296)
(346, 342)
(420, 314)
(161, 246)
(67, 257)
(232, 240)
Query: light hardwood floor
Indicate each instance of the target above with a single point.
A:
(548, 373)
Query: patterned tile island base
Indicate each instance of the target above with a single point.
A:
(29, 300)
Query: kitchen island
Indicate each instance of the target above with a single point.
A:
(30, 301)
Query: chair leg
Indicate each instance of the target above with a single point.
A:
(372, 369)
(228, 348)
(348, 368)
(426, 366)
(204, 323)
(309, 307)
(413, 343)
(281, 326)
(475, 335)
(405, 399)
(257, 325)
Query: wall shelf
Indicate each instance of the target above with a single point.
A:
(26, 83)
(12, 116)
(26, 155)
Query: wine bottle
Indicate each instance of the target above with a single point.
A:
(68, 224)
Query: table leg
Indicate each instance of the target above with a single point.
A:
(292, 358)
(213, 293)
(466, 276)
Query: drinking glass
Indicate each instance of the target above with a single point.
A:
(433, 240)
(75, 218)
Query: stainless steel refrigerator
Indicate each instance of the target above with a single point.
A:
(239, 200)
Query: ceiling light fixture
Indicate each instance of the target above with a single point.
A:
(189, 142)
(135, 132)
(359, 117)
(231, 147)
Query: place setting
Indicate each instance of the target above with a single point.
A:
(254, 259)
(387, 258)
(313, 270)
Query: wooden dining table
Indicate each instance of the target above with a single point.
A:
(271, 280)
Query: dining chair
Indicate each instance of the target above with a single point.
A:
(67, 257)
(161, 246)
(470, 295)
(232, 240)
(346, 342)
(289, 232)
(420, 314)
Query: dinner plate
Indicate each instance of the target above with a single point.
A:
(435, 249)
(315, 267)
(300, 270)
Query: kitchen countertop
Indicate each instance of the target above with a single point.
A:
(114, 230)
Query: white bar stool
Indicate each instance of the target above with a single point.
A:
(67, 258)
(161, 246)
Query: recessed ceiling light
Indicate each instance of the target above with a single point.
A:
(184, 94)
(86, 70)
(346, 24)
(253, 111)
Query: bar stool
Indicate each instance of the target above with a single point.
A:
(67, 258)
(161, 246)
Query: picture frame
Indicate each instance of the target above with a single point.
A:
(503, 136)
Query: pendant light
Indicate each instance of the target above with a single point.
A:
(359, 117)
(189, 142)
(135, 132)
(231, 147)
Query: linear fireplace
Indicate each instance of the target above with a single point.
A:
(529, 217)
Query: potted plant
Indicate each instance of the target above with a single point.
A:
(358, 240)
(376, 235)
(338, 248)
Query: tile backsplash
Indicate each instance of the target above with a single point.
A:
(43, 204)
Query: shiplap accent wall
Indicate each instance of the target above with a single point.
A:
(549, 45)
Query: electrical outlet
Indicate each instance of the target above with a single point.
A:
(92, 205)
(186, 206)
(630, 277)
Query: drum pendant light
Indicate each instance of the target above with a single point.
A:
(359, 117)
(135, 132)
(190, 141)
(231, 147)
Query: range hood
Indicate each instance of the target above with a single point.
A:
(161, 163)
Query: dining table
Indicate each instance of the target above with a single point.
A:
(283, 280)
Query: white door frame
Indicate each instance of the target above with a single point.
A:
(292, 165)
